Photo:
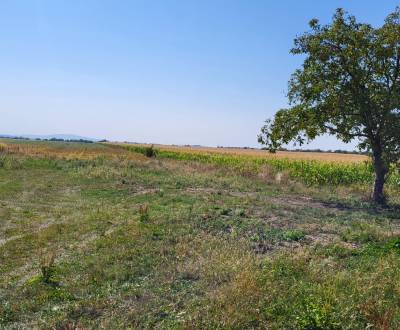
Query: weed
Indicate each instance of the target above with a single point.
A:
(293, 235)
(394, 244)
(7, 313)
(313, 315)
(226, 211)
(10, 162)
(240, 213)
(144, 215)
(47, 268)
(362, 232)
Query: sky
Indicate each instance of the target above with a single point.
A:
(205, 72)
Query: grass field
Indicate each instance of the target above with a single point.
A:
(100, 236)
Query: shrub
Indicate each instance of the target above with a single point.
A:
(150, 151)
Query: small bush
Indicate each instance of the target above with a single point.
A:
(150, 152)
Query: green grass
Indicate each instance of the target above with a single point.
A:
(161, 243)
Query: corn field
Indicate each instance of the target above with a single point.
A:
(311, 172)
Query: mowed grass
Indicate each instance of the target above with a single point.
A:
(97, 236)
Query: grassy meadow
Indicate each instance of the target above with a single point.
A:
(101, 236)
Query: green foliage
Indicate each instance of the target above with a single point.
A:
(293, 235)
(348, 86)
(394, 244)
(313, 315)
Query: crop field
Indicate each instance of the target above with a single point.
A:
(310, 167)
(257, 153)
(104, 236)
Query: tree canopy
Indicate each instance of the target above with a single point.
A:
(348, 86)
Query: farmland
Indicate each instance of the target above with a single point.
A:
(310, 167)
(257, 153)
(101, 236)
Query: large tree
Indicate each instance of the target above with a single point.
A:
(348, 86)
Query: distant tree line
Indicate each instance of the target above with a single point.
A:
(51, 139)
(338, 151)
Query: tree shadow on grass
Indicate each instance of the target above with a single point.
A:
(391, 210)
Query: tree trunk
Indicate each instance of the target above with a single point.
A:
(381, 170)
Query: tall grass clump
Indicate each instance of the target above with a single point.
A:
(144, 215)
(47, 268)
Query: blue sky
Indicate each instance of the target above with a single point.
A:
(178, 72)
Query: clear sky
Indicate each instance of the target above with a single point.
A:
(177, 72)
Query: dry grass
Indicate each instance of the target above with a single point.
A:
(66, 151)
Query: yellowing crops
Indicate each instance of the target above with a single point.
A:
(311, 168)
(291, 155)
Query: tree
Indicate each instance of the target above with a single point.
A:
(348, 86)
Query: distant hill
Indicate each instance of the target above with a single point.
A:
(50, 136)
